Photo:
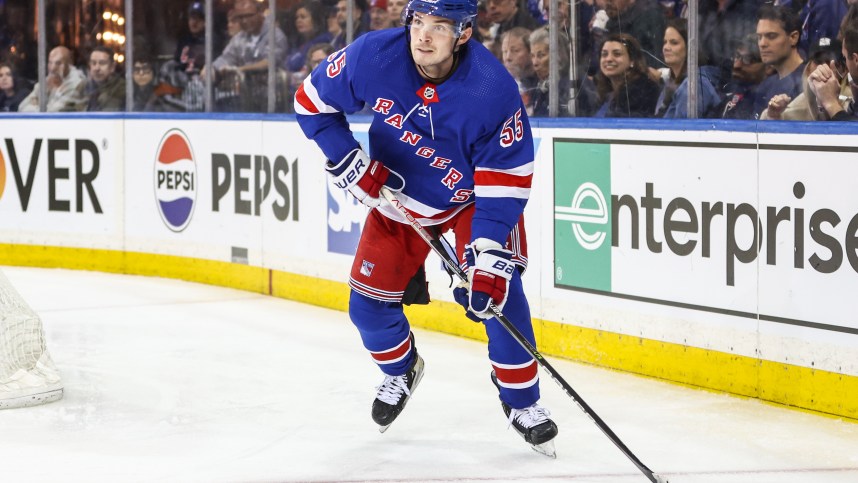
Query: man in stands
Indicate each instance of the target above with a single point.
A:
(778, 32)
(823, 81)
(63, 85)
(105, 89)
(747, 74)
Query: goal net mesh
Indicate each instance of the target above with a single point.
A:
(27, 373)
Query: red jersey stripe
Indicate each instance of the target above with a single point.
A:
(496, 178)
(304, 100)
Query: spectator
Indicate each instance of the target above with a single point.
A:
(233, 24)
(722, 25)
(782, 107)
(242, 69)
(515, 48)
(190, 53)
(826, 88)
(539, 56)
(182, 88)
(63, 85)
(104, 89)
(360, 24)
(622, 85)
(310, 28)
(316, 54)
(333, 23)
(379, 18)
(12, 89)
(821, 19)
(248, 50)
(394, 10)
(642, 19)
(747, 74)
(673, 100)
(506, 14)
(778, 32)
(147, 95)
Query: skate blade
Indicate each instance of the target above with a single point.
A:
(546, 449)
(382, 429)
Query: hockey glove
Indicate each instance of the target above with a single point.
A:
(364, 177)
(460, 294)
(490, 271)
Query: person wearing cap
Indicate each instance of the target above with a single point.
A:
(451, 137)
(191, 47)
(825, 85)
(379, 18)
(803, 107)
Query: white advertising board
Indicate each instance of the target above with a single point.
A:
(60, 183)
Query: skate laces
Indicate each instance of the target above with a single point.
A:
(392, 389)
(530, 416)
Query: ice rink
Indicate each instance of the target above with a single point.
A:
(173, 381)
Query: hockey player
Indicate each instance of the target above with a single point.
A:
(450, 135)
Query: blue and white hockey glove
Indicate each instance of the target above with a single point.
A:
(364, 177)
(461, 295)
(490, 270)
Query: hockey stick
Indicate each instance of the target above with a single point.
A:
(517, 335)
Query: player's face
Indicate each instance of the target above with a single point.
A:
(673, 48)
(614, 60)
(432, 42)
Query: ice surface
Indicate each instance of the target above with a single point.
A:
(174, 381)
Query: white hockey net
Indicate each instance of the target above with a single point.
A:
(27, 374)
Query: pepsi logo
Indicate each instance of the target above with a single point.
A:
(175, 180)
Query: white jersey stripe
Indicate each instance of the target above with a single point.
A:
(501, 192)
(523, 170)
(313, 95)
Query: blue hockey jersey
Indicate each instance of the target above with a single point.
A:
(464, 141)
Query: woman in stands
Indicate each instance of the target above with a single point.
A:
(673, 100)
(310, 27)
(623, 87)
(12, 89)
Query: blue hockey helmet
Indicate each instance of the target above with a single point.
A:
(463, 13)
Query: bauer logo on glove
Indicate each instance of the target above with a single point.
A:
(489, 275)
(363, 177)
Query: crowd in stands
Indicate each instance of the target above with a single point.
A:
(757, 59)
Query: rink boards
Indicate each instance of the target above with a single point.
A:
(721, 259)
